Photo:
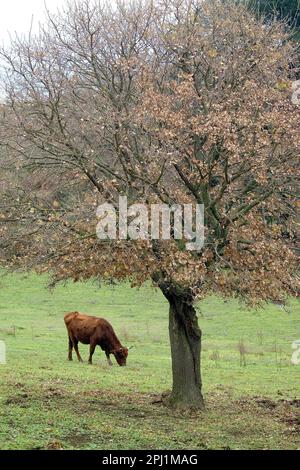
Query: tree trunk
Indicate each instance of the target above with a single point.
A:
(185, 339)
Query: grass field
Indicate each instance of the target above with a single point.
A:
(251, 388)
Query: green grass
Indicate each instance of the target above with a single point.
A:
(48, 402)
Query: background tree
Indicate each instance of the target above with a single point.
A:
(167, 102)
(283, 10)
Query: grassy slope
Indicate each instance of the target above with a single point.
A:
(47, 402)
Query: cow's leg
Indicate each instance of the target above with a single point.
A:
(92, 349)
(75, 344)
(108, 358)
(70, 349)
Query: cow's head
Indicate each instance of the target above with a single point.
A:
(121, 356)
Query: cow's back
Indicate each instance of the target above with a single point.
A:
(83, 327)
(69, 317)
(76, 318)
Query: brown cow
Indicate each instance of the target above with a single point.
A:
(94, 331)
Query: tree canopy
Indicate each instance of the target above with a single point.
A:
(287, 10)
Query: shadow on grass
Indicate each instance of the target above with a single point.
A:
(112, 419)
